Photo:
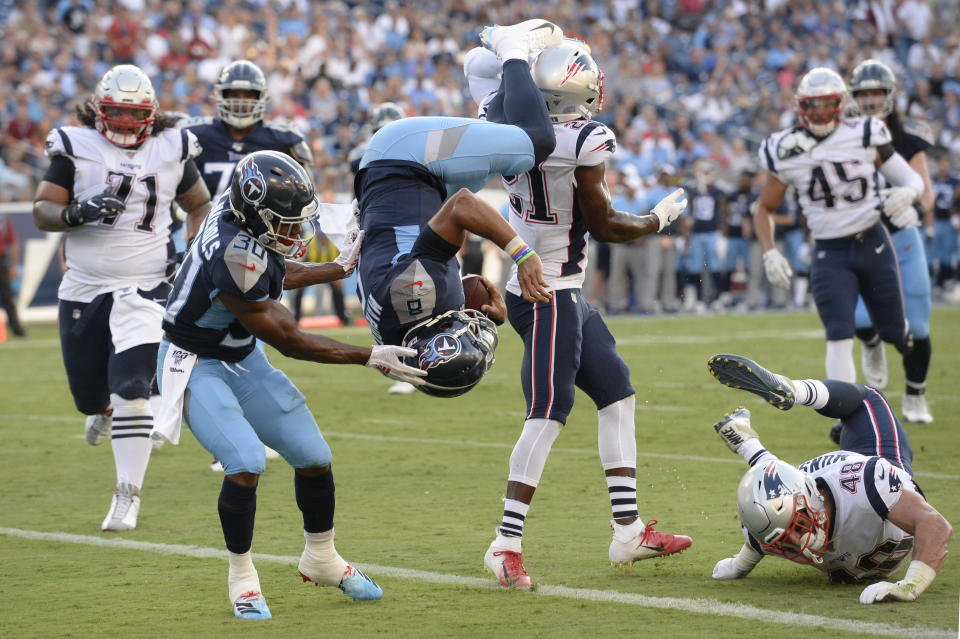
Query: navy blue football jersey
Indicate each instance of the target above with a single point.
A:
(705, 209)
(738, 209)
(945, 196)
(223, 258)
(221, 152)
(407, 273)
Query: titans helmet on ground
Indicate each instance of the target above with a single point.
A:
(872, 75)
(570, 81)
(125, 105)
(455, 348)
(782, 509)
(274, 198)
(241, 75)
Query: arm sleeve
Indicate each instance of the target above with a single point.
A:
(61, 172)
(190, 176)
(899, 173)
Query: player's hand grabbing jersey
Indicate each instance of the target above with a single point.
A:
(835, 178)
(222, 259)
(132, 248)
(543, 203)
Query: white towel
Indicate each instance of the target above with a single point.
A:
(177, 366)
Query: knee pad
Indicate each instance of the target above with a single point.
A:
(616, 438)
(530, 453)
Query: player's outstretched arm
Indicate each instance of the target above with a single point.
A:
(605, 223)
(931, 536)
(300, 274)
(270, 321)
(464, 211)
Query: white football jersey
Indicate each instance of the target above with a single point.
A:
(543, 207)
(836, 178)
(129, 249)
(863, 543)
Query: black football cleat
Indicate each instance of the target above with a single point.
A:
(741, 372)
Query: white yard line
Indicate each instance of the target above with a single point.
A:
(699, 606)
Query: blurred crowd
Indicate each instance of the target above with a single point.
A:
(691, 86)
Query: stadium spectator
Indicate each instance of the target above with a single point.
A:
(9, 270)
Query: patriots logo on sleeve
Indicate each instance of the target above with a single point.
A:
(607, 145)
(442, 348)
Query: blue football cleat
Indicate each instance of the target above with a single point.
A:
(741, 372)
(251, 605)
(357, 585)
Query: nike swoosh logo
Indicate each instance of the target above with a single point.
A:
(879, 249)
(883, 472)
(417, 283)
(248, 267)
(653, 548)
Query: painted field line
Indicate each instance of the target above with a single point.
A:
(699, 606)
(464, 443)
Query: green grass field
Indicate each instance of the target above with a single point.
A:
(419, 487)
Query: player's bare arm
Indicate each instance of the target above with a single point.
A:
(464, 211)
(771, 195)
(605, 223)
(931, 531)
(48, 203)
(300, 274)
(196, 202)
(270, 321)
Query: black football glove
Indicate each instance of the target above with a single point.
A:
(91, 210)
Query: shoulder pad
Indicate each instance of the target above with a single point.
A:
(595, 143)
(301, 153)
(879, 133)
(919, 129)
(284, 126)
(194, 121)
(58, 143)
(246, 261)
(796, 142)
(190, 144)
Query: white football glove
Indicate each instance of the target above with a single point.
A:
(734, 429)
(778, 268)
(737, 566)
(918, 577)
(897, 207)
(387, 358)
(670, 208)
(350, 251)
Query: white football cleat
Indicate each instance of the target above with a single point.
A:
(629, 546)
(915, 409)
(873, 360)
(507, 566)
(97, 427)
(529, 35)
(124, 509)
(402, 388)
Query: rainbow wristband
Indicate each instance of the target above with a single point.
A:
(522, 253)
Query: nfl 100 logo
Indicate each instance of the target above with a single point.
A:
(441, 349)
(177, 360)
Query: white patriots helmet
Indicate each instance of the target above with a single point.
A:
(570, 81)
(125, 105)
(820, 101)
(782, 508)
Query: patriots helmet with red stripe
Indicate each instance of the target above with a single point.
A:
(782, 508)
(570, 81)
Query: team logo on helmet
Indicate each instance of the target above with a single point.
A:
(253, 187)
(773, 485)
(441, 349)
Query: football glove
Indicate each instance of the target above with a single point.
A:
(350, 251)
(91, 210)
(670, 208)
(897, 207)
(737, 566)
(918, 577)
(387, 359)
(734, 429)
(778, 268)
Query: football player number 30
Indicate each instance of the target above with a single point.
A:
(820, 190)
(123, 184)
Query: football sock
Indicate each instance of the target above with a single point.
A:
(810, 392)
(623, 496)
(237, 506)
(316, 500)
(321, 558)
(514, 514)
(130, 438)
(800, 285)
(840, 360)
(916, 363)
(242, 577)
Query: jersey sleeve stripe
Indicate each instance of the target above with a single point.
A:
(584, 134)
(870, 485)
(866, 133)
(768, 157)
(186, 145)
(67, 145)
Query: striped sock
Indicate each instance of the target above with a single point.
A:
(514, 514)
(811, 392)
(623, 496)
(130, 438)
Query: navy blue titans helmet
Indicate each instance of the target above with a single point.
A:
(455, 348)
